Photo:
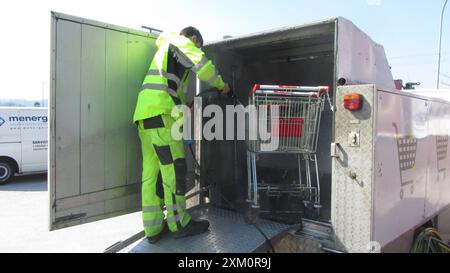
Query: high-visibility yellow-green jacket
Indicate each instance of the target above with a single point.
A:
(166, 82)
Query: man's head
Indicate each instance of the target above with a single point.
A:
(194, 35)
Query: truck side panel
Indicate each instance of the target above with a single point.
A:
(359, 59)
(438, 186)
(381, 196)
(403, 146)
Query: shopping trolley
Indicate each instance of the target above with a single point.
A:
(292, 115)
(407, 150)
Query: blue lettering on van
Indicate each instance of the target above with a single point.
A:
(28, 118)
(2, 121)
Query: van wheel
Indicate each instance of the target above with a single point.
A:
(6, 172)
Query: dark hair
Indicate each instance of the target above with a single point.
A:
(191, 31)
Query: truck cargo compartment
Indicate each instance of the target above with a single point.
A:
(301, 56)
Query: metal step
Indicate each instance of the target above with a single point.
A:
(228, 233)
(310, 237)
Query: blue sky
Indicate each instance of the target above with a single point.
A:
(409, 30)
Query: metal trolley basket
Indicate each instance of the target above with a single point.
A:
(294, 130)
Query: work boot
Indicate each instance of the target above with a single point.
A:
(154, 239)
(193, 228)
(157, 237)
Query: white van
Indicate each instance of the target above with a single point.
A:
(23, 141)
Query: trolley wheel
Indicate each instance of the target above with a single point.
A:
(317, 208)
(251, 215)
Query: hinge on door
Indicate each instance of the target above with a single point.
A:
(70, 217)
(152, 30)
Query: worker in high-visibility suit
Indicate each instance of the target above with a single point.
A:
(164, 165)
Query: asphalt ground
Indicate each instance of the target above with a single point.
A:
(24, 221)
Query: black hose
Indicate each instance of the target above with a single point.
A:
(429, 241)
(232, 205)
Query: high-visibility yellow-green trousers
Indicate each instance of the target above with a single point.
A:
(163, 176)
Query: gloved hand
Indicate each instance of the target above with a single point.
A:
(226, 89)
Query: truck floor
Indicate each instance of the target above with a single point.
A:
(228, 233)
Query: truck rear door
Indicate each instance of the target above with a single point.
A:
(96, 73)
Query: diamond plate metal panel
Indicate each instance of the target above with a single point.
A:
(352, 172)
(228, 233)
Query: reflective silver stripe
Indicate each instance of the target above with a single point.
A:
(173, 219)
(213, 78)
(151, 209)
(172, 208)
(160, 87)
(176, 207)
(153, 72)
(152, 223)
(166, 75)
(172, 77)
(181, 57)
(200, 65)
